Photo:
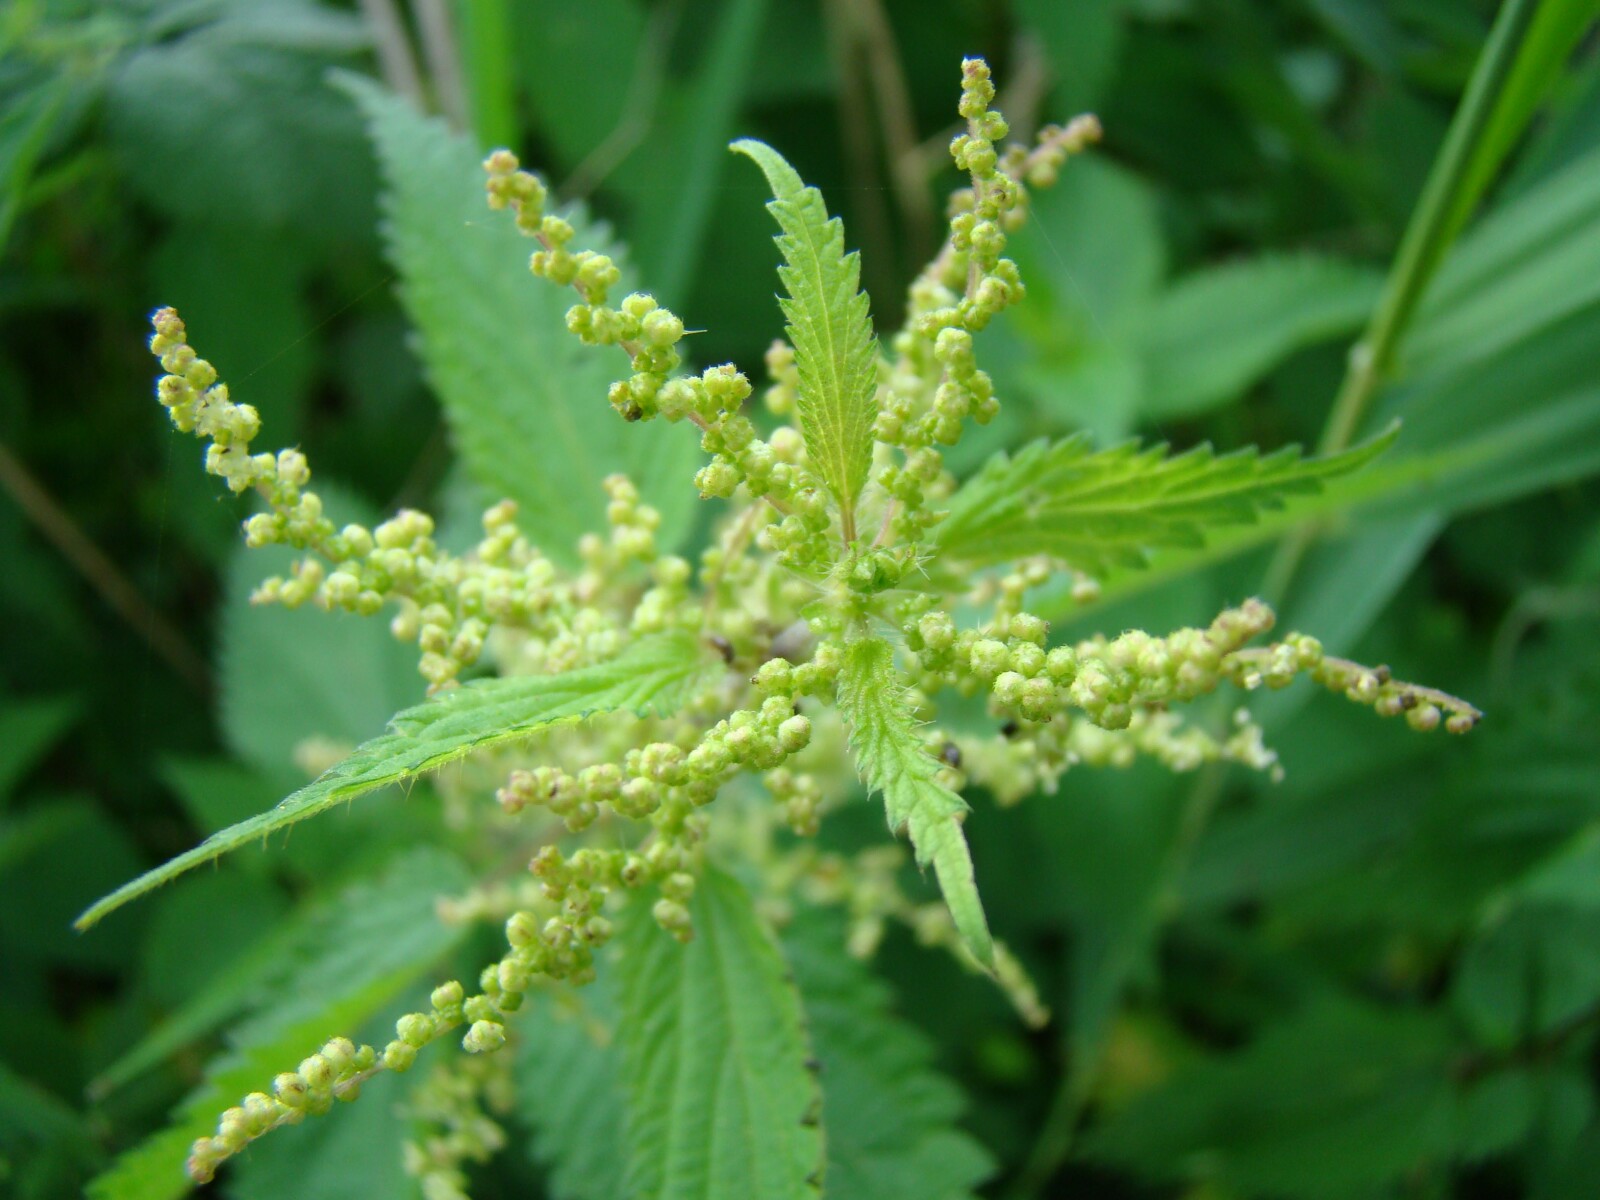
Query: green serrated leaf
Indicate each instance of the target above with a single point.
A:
(525, 400)
(891, 759)
(830, 327)
(1099, 510)
(891, 1117)
(655, 674)
(721, 1106)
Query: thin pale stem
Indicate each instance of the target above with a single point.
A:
(395, 60)
(444, 60)
(62, 532)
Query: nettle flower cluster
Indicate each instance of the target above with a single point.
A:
(811, 619)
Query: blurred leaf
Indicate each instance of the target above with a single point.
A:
(46, 1147)
(890, 758)
(1576, 1173)
(308, 26)
(1111, 508)
(890, 1117)
(580, 65)
(1331, 1102)
(670, 227)
(1530, 973)
(1525, 267)
(570, 1092)
(376, 942)
(830, 328)
(279, 149)
(526, 400)
(1217, 330)
(228, 992)
(224, 912)
(75, 854)
(656, 674)
(28, 728)
(1093, 246)
(26, 124)
(720, 1101)
(1554, 29)
(1082, 42)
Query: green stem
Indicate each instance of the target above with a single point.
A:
(1433, 226)
(1438, 217)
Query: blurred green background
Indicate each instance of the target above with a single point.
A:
(1377, 978)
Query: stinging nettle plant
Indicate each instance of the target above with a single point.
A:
(850, 589)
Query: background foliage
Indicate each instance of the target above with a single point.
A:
(1376, 978)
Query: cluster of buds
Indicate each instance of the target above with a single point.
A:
(1277, 665)
(336, 1072)
(934, 384)
(447, 604)
(772, 470)
(450, 1127)
(867, 885)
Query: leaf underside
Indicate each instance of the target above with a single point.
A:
(721, 1105)
(655, 674)
(1111, 508)
(891, 759)
(830, 328)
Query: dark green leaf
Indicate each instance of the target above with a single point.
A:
(891, 1118)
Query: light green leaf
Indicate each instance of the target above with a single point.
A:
(526, 400)
(721, 1105)
(375, 941)
(891, 758)
(830, 328)
(891, 1118)
(1111, 508)
(1527, 265)
(656, 674)
(1218, 330)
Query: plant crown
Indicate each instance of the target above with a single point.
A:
(850, 587)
